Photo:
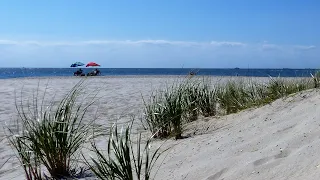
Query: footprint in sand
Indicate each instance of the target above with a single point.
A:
(286, 129)
(272, 161)
(282, 154)
(217, 175)
(261, 161)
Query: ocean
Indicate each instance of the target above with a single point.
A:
(6, 73)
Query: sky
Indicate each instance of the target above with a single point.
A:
(161, 33)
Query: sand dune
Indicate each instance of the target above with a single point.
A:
(276, 141)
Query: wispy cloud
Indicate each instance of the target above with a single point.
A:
(157, 53)
(227, 43)
(305, 47)
(271, 47)
(123, 42)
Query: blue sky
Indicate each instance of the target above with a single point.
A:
(163, 33)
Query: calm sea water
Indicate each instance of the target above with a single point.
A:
(45, 72)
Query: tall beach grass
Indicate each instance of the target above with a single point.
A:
(187, 100)
(164, 111)
(49, 139)
(124, 159)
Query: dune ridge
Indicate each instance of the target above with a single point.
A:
(276, 141)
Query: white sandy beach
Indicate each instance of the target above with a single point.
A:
(276, 141)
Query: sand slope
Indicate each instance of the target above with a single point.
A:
(277, 141)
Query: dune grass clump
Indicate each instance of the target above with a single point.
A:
(168, 111)
(154, 116)
(207, 100)
(123, 159)
(31, 164)
(278, 88)
(165, 110)
(199, 99)
(174, 109)
(51, 137)
(190, 99)
(316, 78)
(236, 96)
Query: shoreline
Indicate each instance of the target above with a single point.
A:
(98, 77)
(150, 76)
(110, 72)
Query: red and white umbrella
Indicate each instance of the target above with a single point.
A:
(92, 64)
